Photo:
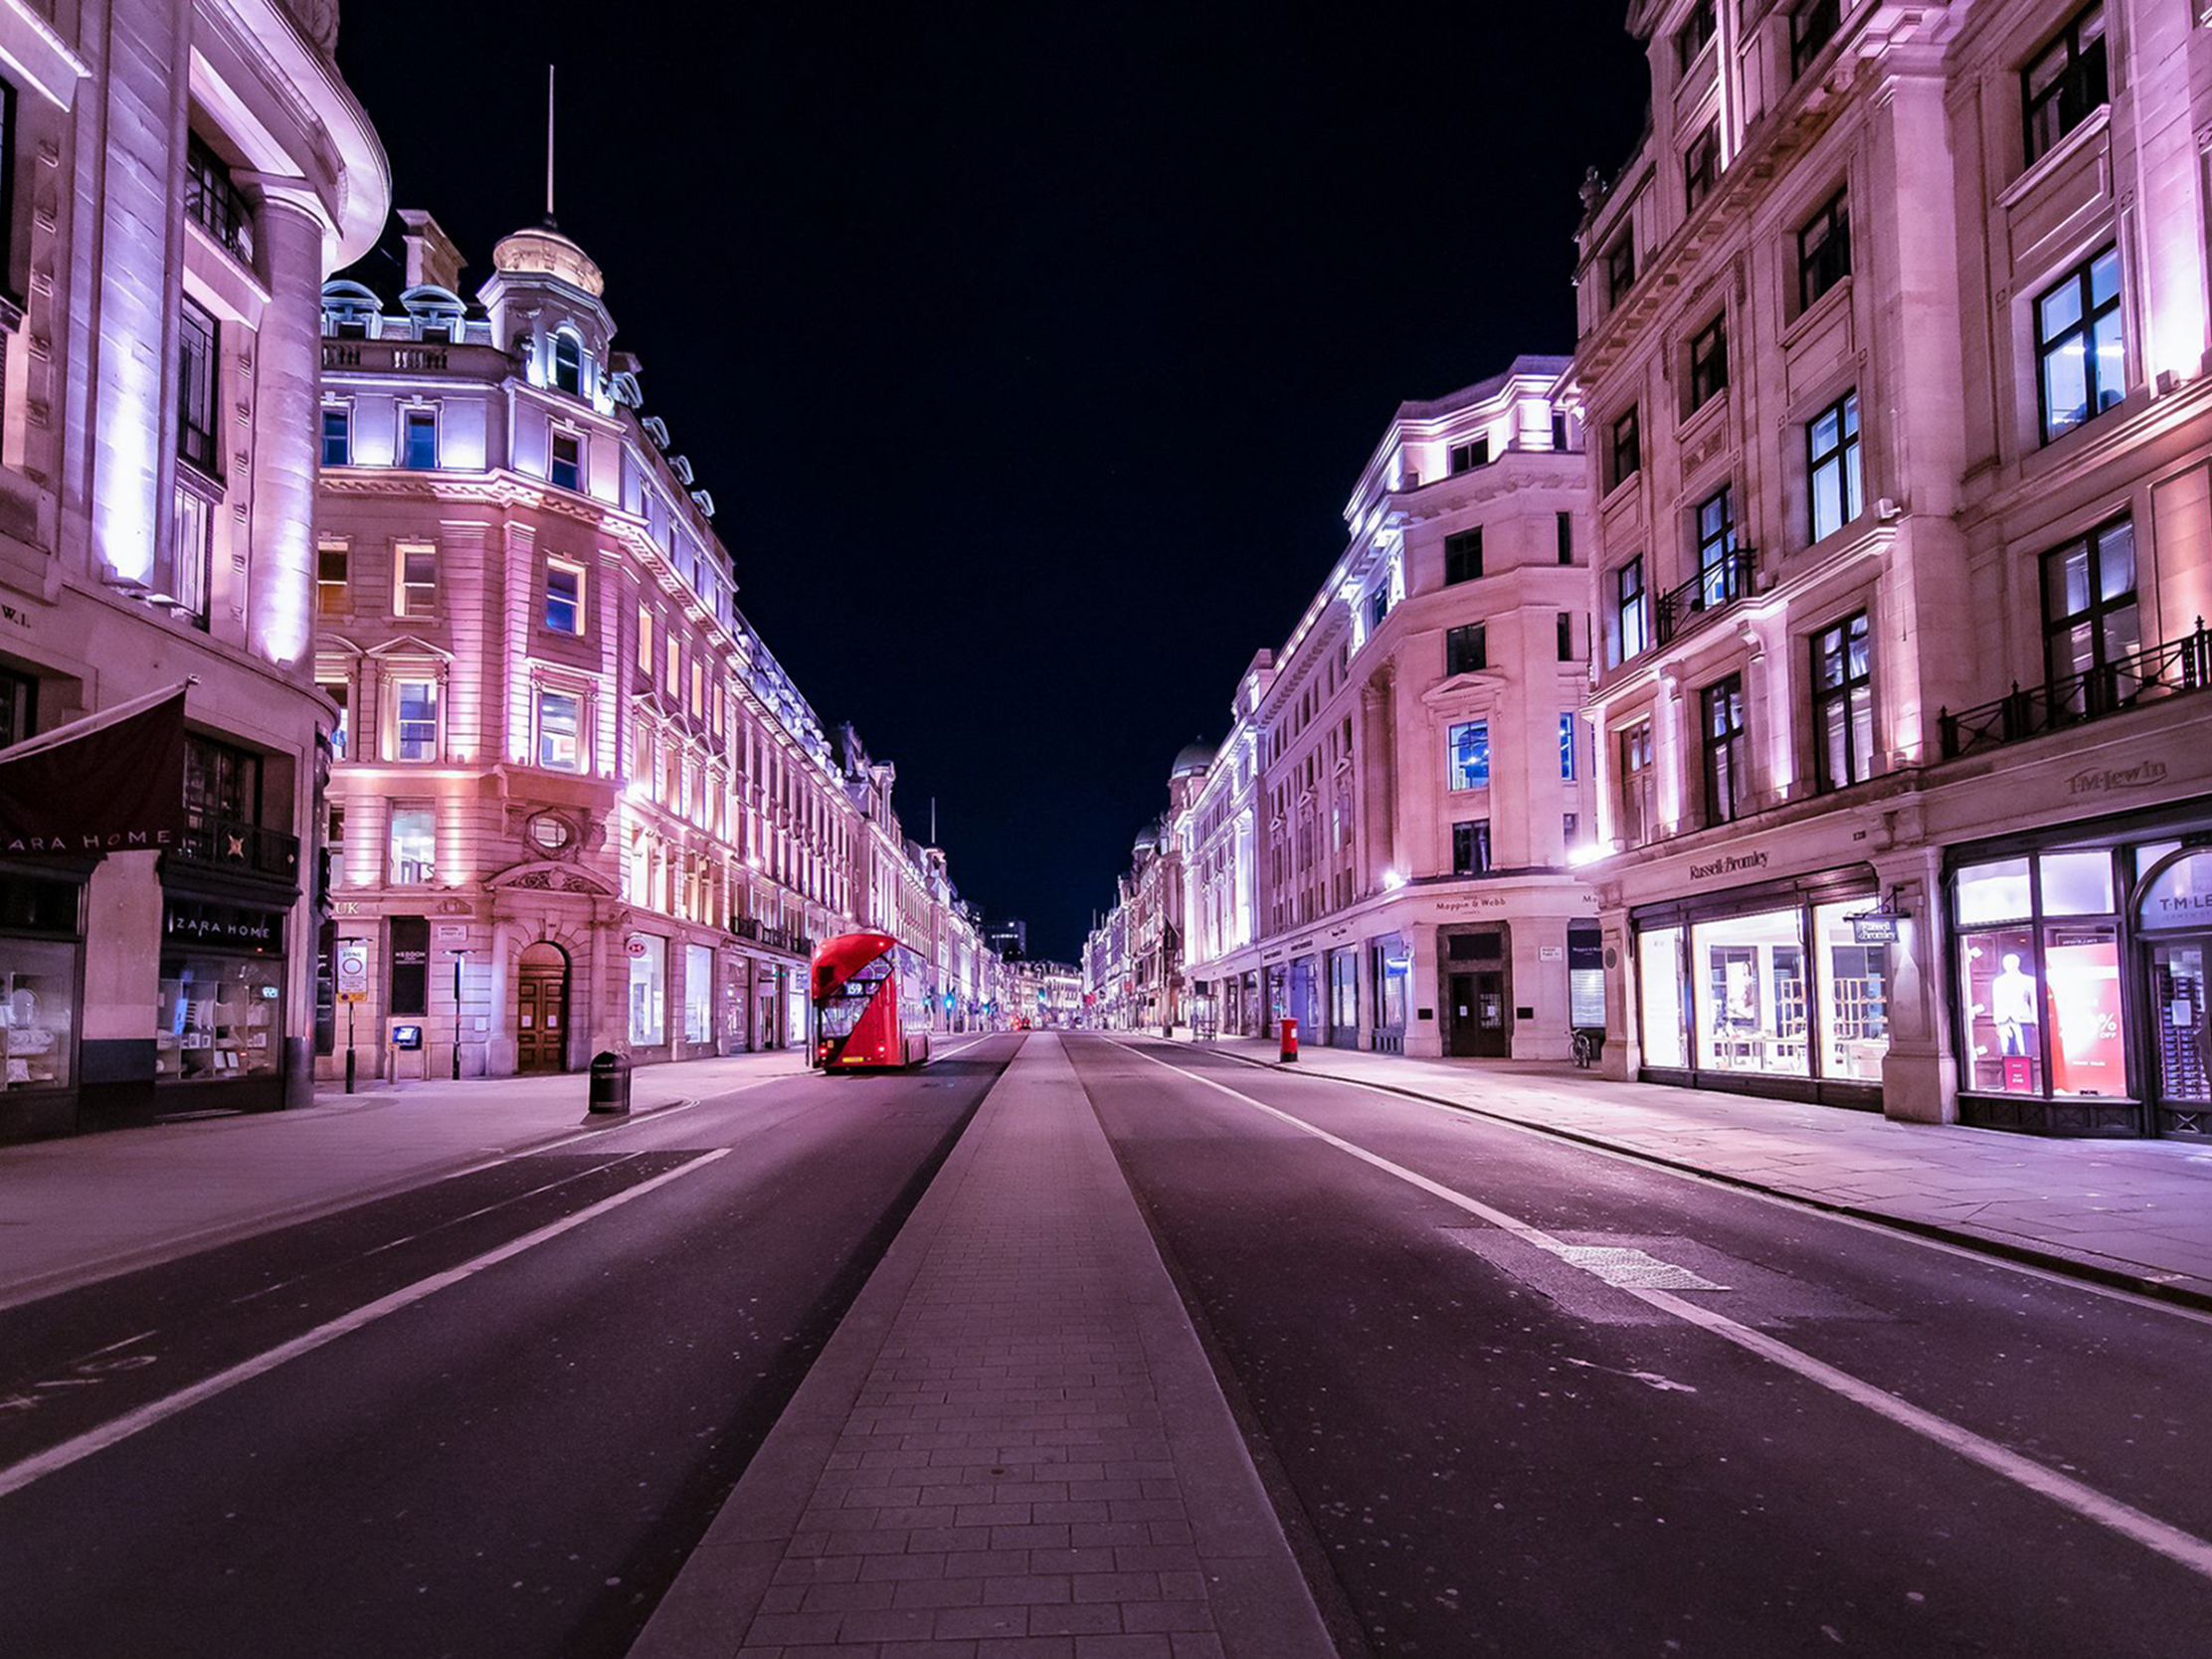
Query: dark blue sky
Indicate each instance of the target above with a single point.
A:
(1029, 355)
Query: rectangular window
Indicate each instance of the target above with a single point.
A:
(1832, 466)
(1620, 269)
(1379, 606)
(339, 693)
(1701, 164)
(222, 780)
(192, 535)
(214, 202)
(1559, 430)
(1631, 632)
(1823, 250)
(648, 990)
(198, 394)
(1719, 581)
(1659, 977)
(567, 468)
(1625, 454)
(1709, 362)
(414, 723)
(1462, 556)
(698, 685)
(645, 642)
(698, 993)
(1811, 27)
(1465, 649)
(2092, 624)
(1562, 534)
(2080, 351)
(673, 670)
(1467, 755)
(417, 570)
(2065, 83)
(1696, 30)
(1843, 704)
(330, 578)
(1726, 750)
(564, 597)
(1749, 994)
(1465, 457)
(414, 846)
(561, 731)
(419, 443)
(337, 437)
(1471, 846)
(1564, 628)
(1566, 747)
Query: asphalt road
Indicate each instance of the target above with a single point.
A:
(486, 1416)
(1861, 1443)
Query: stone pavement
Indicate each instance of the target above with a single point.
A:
(1013, 1446)
(2138, 1214)
(79, 1209)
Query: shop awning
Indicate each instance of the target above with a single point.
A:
(112, 781)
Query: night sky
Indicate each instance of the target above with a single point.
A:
(1030, 358)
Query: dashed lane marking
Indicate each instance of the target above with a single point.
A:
(2183, 1548)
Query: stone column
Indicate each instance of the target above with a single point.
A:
(1919, 1074)
(289, 228)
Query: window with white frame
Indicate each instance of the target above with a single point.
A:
(337, 436)
(331, 576)
(414, 846)
(419, 439)
(414, 579)
(2080, 347)
(564, 597)
(560, 730)
(565, 469)
(415, 718)
(1467, 755)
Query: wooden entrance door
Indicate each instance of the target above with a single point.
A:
(1477, 1008)
(541, 1010)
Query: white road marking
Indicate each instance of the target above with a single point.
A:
(2183, 1548)
(1894, 1231)
(18, 1476)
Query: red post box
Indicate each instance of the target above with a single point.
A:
(1290, 1041)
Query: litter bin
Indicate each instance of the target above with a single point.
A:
(1290, 1041)
(610, 1083)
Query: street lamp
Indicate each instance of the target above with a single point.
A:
(458, 955)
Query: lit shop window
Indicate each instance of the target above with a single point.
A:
(698, 993)
(1467, 752)
(648, 990)
(1659, 971)
(1748, 980)
(1854, 980)
(2039, 970)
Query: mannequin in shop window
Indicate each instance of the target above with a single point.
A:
(2013, 1006)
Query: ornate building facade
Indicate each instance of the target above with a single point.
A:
(176, 180)
(1893, 341)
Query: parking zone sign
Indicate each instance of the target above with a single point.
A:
(354, 971)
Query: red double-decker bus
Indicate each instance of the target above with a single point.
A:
(870, 1003)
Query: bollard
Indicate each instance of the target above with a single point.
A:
(610, 1084)
(1290, 1041)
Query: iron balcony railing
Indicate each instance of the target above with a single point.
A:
(1714, 588)
(2154, 671)
(775, 937)
(209, 839)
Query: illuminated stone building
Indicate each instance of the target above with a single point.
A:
(578, 805)
(1893, 338)
(1407, 779)
(175, 182)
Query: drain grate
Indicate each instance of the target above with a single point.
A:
(1632, 1269)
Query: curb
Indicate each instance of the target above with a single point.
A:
(2026, 1256)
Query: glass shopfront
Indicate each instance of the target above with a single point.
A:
(1391, 960)
(220, 1012)
(1343, 999)
(1780, 991)
(40, 947)
(2082, 977)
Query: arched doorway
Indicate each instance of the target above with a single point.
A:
(541, 1010)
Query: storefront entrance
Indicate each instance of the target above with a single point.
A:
(1477, 1028)
(2182, 1092)
(541, 1010)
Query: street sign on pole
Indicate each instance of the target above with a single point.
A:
(353, 970)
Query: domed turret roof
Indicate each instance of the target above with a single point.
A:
(1193, 758)
(1148, 838)
(543, 250)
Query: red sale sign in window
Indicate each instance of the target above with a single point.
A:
(2080, 969)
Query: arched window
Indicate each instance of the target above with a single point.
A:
(568, 364)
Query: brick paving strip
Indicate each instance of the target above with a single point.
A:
(1013, 1447)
